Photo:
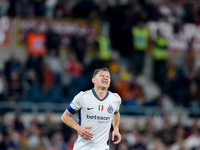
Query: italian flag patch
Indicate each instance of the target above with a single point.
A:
(100, 107)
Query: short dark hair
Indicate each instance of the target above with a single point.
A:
(96, 71)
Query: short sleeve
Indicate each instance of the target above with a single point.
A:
(75, 105)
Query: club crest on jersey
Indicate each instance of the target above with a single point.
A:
(110, 109)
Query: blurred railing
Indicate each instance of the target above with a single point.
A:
(124, 110)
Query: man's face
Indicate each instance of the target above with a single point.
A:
(102, 79)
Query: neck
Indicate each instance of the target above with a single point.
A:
(101, 92)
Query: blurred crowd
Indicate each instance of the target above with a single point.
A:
(147, 133)
(169, 136)
(56, 76)
(18, 134)
(126, 12)
(52, 76)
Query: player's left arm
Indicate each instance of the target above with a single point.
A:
(116, 121)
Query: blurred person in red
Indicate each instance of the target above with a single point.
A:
(73, 66)
(48, 78)
(61, 9)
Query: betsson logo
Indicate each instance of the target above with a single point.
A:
(98, 117)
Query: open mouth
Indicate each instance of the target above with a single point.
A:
(104, 82)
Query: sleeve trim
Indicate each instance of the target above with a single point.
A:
(71, 110)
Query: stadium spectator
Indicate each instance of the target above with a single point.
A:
(140, 41)
(47, 77)
(24, 8)
(39, 8)
(70, 142)
(54, 63)
(78, 45)
(193, 126)
(14, 86)
(35, 62)
(4, 7)
(122, 145)
(2, 142)
(29, 79)
(189, 63)
(64, 8)
(73, 66)
(193, 98)
(123, 87)
(3, 88)
(52, 42)
(12, 64)
(160, 56)
(18, 123)
(139, 143)
(3, 128)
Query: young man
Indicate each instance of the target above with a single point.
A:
(97, 108)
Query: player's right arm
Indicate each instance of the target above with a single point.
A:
(82, 130)
(66, 117)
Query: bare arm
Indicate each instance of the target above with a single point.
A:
(66, 118)
(82, 130)
(116, 121)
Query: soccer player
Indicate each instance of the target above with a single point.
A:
(98, 108)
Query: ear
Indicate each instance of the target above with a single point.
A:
(93, 80)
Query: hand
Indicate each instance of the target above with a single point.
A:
(82, 131)
(118, 135)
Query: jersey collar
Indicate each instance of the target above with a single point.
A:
(95, 94)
